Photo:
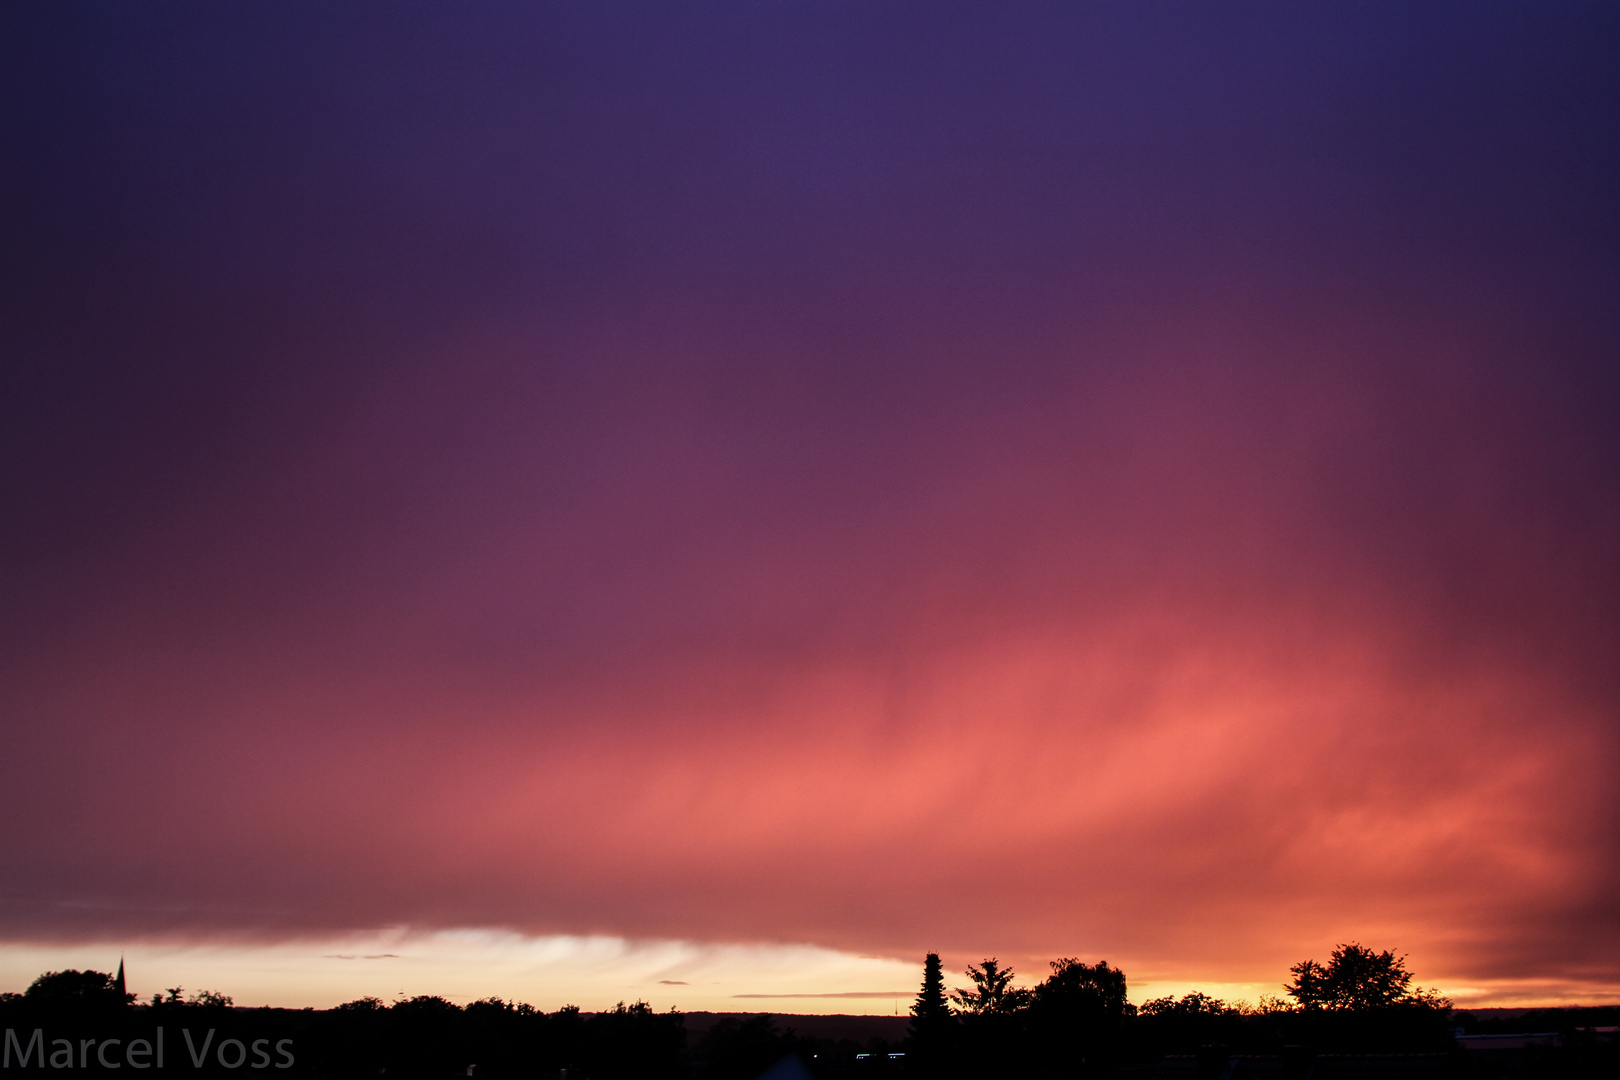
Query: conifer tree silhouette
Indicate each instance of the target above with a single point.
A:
(992, 992)
(930, 1010)
(932, 1033)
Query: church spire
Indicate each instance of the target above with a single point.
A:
(118, 980)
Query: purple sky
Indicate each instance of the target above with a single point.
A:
(1111, 480)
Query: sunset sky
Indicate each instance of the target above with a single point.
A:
(708, 502)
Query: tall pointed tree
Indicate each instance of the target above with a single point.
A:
(930, 1009)
(930, 1045)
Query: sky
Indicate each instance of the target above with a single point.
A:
(709, 502)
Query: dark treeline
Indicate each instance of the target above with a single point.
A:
(419, 1037)
(1078, 1020)
(1075, 1023)
(1356, 1015)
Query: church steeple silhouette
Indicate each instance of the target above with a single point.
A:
(118, 980)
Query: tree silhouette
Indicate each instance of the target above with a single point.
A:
(210, 999)
(931, 1009)
(363, 1005)
(1194, 1004)
(1356, 979)
(932, 1034)
(992, 993)
(76, 989)
(1081, 988)
(1077, 1016)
